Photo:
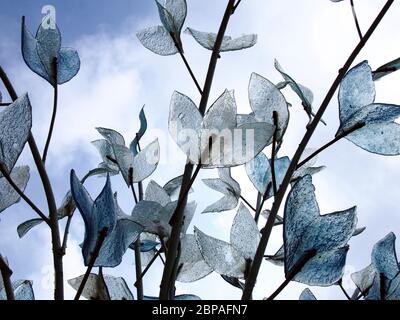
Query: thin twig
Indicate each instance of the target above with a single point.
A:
(235, 6)
(138, 269)
(147, 267)
(330, 143)
(266, 232)
(93, 257)
(355, 294)
(258, 204)
(182, 54)
(353, 10)
(55, 232)
(343, 290)
(6, 175)
(6, 274)
(66, 232)
(4, 104)
(273, 155)
(53, 117)
(248, 203)
(293, 272)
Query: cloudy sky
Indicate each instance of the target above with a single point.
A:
(310, 38)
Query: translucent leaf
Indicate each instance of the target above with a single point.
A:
(307, 295)
(192, 266)
(364, 279)
(306, 229)
(266, 213)
(179, 297)
(158, 40)
(245, 236)
(278, 258)
(173, 186)
(141, 166)
(145, 257)
(100, 214)
(107, 154)
(358, 231)
(25, 227)
(260, 174)
(67, 206)
(152, 217)
(227, 186)
(302, 92)
(143, 127)
(23, 290)
(357, 90)
(8, 196)
(48, 46)
(207, 40)
(380, 133)
(16, 123)
(148, 245)
(222, 114)
(220, 255)
(184, 117)
(112, 136)
(30, 53)
(265, 98)
(69, 64)
(242, 119)
(178, 11)
(156, 193)
(106, 288)
(386, 69)
(384, 257)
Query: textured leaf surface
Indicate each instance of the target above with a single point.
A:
(8, 196)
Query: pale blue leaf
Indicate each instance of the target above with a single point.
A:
(305, 229)
(8, 196)
(184, 297)
(386, 69)
(357, 90)
(265, 98)
(106, 152)
(23, 290)
(244, 235)
(384, 257)
(30, 54)
(69, 65)
(307, 295)
(148, 245)
(112, 136)
(220, 255)
(278, 258)
(26, 226)
(192, 266)
(173, 186)
(234, 282)
(156, 193)
(158, 40)
(222, 113)
(364, 278)
(16, 123)
(207, 40)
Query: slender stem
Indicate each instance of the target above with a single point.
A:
(236, 5)
(355, 294)
(53, 117)
(330, 143)
(55, 232)
(168, 280)
(344, 291)
(6, 175)
(6, 274)
(248, 203)
(138, 269)
(353, 10)
(4, 104)
(258, 204)
(182, 54)
(134, 194)
(66, 232)
(158, 253)
(273, 155)
(266, 232)
(93, 257)
(293, 272)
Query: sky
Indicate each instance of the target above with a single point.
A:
(310, 38)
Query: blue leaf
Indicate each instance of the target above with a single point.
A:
(305, 229)
(140, 134)
(40, 51)
(25, 227)
(384, 257)
(148, 245)
(16, 123)
(99, 214)
(8, 195)
(386, 69)
(307, 295)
